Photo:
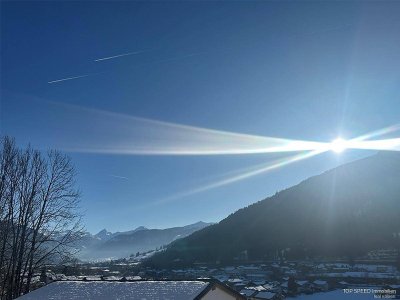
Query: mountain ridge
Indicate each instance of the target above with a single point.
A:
(341, 212)
(106, 245)
(104, 234)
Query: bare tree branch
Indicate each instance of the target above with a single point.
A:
(39, 218)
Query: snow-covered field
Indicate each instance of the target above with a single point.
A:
(143, 290)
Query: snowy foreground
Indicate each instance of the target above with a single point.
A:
(144, 290)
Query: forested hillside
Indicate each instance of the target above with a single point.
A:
(342, 212)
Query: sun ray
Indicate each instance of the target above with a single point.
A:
(376, 133)
(363, 142)
(253, 171)
(382, 145)
(114, 133)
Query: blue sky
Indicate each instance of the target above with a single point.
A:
(297, 70)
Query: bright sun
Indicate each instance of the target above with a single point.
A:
(338, 145)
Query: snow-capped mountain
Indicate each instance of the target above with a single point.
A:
(106, 244)
(105, 235)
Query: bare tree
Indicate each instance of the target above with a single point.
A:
(39, 219)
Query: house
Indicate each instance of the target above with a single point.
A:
(235, 280)
(133, 278)
(239, 286)
(321, 285)
(91, 278)
(342, 284)
(136, 290)
(394, 287)
(303, 286)
(265, 296)
(273, 287)
(256, 277)
(221, 278)
(248, 293)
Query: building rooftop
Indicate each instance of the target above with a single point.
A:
(137, 290)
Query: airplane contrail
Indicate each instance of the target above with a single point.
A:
(119, 177)
(68, 78)
(122, 55)
(119, 55)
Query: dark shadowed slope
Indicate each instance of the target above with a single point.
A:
(342, 212)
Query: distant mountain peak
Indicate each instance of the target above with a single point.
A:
(106, 244)
(103, 231)
(140, 228)
(103, 234)
(198, 224)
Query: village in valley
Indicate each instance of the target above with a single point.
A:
(272, 280)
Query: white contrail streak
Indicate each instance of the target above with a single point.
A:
(119, 177)
(68, 78)
(119, 55)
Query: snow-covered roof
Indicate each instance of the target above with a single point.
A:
(258, 288)
(235, 280)
(92, 278)
(131, 278)
(395, 286)
(247, 292)
(221, 278)
(265, 295)
(259, 282)
(103, 290)
(268, 285)
(302, 282)
(275, 265)
(113, 278)
(249, 268)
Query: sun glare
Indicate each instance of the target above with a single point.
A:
(338, 145)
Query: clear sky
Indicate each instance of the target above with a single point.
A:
(296, 70)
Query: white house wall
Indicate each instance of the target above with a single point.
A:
(218, 294)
